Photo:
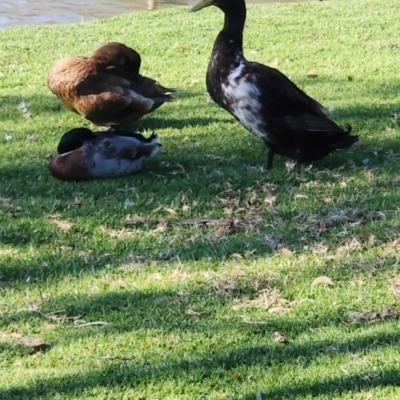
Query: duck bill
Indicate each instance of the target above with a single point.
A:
(200, 5)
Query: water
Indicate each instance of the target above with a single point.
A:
(23, 12)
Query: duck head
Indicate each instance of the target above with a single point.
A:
(74, 139)
(118, 55)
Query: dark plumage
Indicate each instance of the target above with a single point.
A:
(264, 100)
(84, 155)
(107, 88)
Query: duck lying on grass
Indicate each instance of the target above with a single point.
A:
(85, 155)
(265, 101)
(107, 88)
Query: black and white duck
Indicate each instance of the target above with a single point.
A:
(265, 101)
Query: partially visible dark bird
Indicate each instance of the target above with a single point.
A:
(264, 100)
(107, 88)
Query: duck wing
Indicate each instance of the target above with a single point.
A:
(118, 147)
(121, 132)
(289, 114)
(151, 88)
(110, 98)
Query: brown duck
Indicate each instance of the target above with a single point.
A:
(107, 88)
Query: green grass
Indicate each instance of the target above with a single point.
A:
(188, 307)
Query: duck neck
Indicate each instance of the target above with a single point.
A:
(235, 19)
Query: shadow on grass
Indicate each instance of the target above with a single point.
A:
(47, 105)
(156, 122)
(354, 383)
(13, 106)
(13, 350)
(151, 311)
(75, 254)
(104, 212)
(137, 371)
(130, 310)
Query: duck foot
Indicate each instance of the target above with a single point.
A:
(269, 160)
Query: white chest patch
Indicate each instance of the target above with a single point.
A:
(242, 97)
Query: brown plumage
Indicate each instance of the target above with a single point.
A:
(107, 88)
(72, 167)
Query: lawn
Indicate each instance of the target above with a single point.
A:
(204, 276)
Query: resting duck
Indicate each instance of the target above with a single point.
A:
(265, 101)
(84, 155)
(107, 88)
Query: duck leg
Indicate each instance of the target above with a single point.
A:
(269, 159)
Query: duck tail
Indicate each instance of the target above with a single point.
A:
(159, 100)
(348, 128)
(345, 140)
(151, 147)
(154, 138)
(169, 91)
(165, 95)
